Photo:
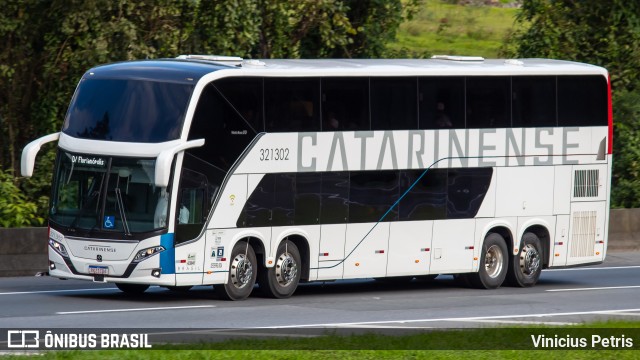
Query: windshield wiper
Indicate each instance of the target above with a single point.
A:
(125, 224)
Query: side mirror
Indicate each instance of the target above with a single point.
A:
(30, 151)
(164, 159)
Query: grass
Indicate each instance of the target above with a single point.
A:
(441, 28)
(474, 344)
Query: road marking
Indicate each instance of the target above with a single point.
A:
(596, 288)
(520, 322)
(597, 312)
(135, 309)
(595, 268)
(55, 291)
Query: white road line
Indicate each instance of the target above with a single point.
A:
(521, 322)
(597, 312)
(595, 268)
(55, 291)
(596, 288)
(135, 309)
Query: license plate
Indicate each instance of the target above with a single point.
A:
(99, 270)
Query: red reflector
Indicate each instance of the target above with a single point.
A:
(223, 259)
(183, 261)
(424, 249)
(559, 243)
(469, 247)
(379, 251)
(324, 254)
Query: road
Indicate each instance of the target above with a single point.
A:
(569, 296)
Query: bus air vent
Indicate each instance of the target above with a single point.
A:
(585, 183)
(583, 234)
(227, 60)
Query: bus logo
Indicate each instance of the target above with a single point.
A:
(23, 339)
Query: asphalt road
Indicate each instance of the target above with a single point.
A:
(569, 296)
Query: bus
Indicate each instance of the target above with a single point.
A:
(243, 174)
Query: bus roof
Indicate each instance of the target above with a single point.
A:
(195, 67)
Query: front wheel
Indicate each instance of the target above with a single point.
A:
(282, 279)
(493, 263)
(525, 268)
(242, 273)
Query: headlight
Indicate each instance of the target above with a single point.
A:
(147, 253)
(59, 248)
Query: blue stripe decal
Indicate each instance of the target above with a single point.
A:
(168, 256)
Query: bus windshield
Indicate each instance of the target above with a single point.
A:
(113, 194)
(127, 110)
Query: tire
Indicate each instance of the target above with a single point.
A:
(132, 289)
(242, 273)
(281, 280)
(494, 263)
(525, 268)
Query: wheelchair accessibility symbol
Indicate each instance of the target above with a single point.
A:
(109, 222)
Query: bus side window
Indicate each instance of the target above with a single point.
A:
(488, 103)
(534, 101)
(292, 104)
(582, 100)
(335, 198)
(394, 104)
(345, 104)
(441, 102)
(307, 198)
(427, 200)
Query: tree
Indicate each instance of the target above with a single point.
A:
(605, 33)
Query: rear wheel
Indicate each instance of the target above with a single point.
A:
(493, 263)
(133, 289)
(525, 268)
(242, 273)
(282, 279)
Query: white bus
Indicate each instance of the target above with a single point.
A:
(206, 170)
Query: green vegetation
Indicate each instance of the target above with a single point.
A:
(442, 27)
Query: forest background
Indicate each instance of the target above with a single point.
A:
(48, 44)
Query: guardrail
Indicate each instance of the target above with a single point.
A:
(23, 251)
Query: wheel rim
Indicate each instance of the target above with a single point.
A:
(286, 269)
(493, 261)
(529, 260)
(241, 271)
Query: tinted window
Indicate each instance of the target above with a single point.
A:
(534, 101)
(427, 200)
(284, 199)
(582, 100)
(441, 102)
(335, 198)
(292, 104)
(307, 199)
(345, 104)
(371, 195)
(127, 110)
(466, 189)
(488, 102)
(225, 130)
(257, 210)
(394, 103)
(245, 96)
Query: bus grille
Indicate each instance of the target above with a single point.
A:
(583, 233)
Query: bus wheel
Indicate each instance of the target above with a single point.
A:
(493, 263)
(282, 279)
(133, 289)
(525, 268)
(242, 273)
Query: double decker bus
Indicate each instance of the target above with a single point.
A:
(208, 170)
